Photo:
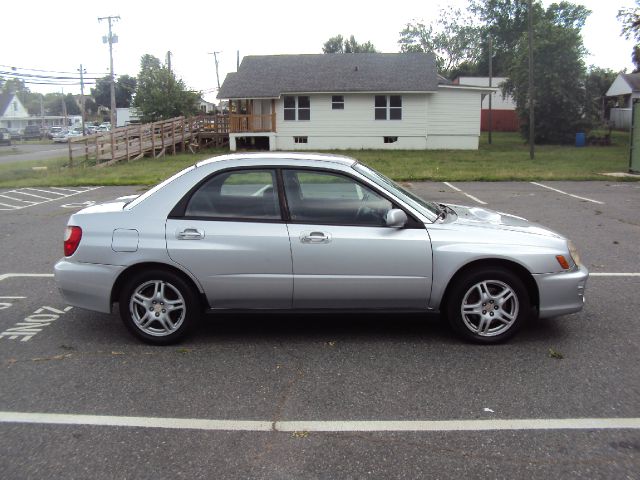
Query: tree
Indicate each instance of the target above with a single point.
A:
(159, 95)
(558, 72)
(339, 44)
(597, 82)
(71, 104)
(454, 38)
(505, 21)
(630, 18)
(124, 89)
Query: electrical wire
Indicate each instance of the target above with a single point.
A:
(50, 71)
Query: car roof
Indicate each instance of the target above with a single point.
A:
(318, 157)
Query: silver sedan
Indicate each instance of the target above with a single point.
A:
(285, 231)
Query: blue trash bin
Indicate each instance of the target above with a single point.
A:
(581, 139)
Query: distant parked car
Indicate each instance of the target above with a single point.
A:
(60, 136)
(31, 132)
(5, 137)
(54, 131)
(16, 133)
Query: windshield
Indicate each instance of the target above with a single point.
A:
(428, 209)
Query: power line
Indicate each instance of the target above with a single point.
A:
(49, 71)
(27, 75)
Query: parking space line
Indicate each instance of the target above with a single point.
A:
(475, 199)
(4, 276)
(605, 274)
(11, 207)
(569, 194)
(31, 203)
(67, 189)
(45, 191)
(33, 195)
(527, 424)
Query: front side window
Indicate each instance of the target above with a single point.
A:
(297, 107)
(239, 194)
(334, 199)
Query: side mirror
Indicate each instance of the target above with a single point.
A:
(396, 218)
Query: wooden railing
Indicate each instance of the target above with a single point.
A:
(250, 123)
(151, 139)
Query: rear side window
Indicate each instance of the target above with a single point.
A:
(240, 194)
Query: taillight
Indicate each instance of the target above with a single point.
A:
(72, 237)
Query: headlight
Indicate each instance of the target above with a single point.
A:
(574, 253)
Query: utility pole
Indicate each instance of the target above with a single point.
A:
(215, 58)
(531, 97)
(64, 110)
(111, 39)
(490, 85)
(42, 112)
(237, 60)
(82, 72)
(170, 74)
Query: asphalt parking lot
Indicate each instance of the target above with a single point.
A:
(325, 397)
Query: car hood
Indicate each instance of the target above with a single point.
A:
(486, 218)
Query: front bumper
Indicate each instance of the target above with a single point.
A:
(86, 285)
(561, 293)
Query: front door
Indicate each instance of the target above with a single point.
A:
(233, 239)
(343, 254)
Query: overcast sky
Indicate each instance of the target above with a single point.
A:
(59, 36)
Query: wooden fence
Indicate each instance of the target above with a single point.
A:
(150, 139)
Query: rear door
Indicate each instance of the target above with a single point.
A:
(231, 236)
(344, 256)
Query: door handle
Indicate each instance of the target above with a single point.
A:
(190, 234)
(315, 237)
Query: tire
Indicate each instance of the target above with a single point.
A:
(159, 307)
(488, 305)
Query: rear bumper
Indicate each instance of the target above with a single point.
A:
(86, 285)
(561, 293)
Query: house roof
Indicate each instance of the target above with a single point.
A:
(633, 79)
(5, 100)
(269, 76)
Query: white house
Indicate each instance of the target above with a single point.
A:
(349, 101)
(13, 115)
(503, 107)
(626, 88)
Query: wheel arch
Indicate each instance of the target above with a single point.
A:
(145, 266)
(515, 268)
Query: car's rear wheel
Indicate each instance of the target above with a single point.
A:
(489, 305)
(158, 306)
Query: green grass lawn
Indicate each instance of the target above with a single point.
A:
(506, 159)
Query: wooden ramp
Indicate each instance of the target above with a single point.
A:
(155, 140)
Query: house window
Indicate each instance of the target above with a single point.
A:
(301, 139)
(289, 108)
(381, 107)
(337, 102)
(390, 139)
(388, 107)
(297, 108)
(15, 106)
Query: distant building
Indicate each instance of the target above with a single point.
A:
(14, 116)
(503, 107)
(206, 107)
(349, 101)
(625, 89)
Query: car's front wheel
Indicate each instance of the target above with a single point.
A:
(488, 305)
(158, 306)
